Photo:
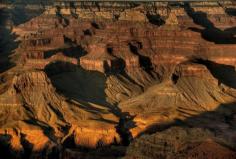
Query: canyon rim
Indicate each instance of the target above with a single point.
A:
(109, 79)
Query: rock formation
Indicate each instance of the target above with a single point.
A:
(179, 143)
(118, 79)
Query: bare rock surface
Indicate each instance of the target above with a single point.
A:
(179, 143)
(112, 80)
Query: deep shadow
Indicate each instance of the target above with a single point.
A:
(19, 14)
(55, 153)
(7, 41)
(210, 121)
(174, 78)
(9, 18)
(28, 147)
(87, 85)
(209, 31)
(62, 19)
(96, 25)
(223, 114)
(82, 87)
(125, 124)
(231, 11)
(117, 66)
(73, 10)
(144, 61)
(7, 47)
(69, 142)
(225, 74)
(26, 151)
(88, 32)
(47, 130)
(5, 147)
(73, 51)
(155, 19)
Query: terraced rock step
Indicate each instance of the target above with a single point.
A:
(117, 79)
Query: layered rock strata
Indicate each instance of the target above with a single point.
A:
(96, 78)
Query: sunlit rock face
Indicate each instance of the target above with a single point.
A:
(113, 80)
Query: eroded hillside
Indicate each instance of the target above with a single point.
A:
(112, 80)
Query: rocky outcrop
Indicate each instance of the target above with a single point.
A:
(87, 138)
(94, 78)
(42, 43)
(179, 143)
(193, 70)
(171, 99)
(46, 106)
(38, 63)
(98, 58)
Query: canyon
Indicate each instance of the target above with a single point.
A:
(118, 80)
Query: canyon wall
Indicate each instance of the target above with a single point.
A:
(95, 77)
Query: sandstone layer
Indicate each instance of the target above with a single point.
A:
(108, 80)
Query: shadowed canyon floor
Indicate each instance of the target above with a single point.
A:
(118, 80)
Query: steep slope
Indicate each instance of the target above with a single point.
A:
(191, 91)
(181, 143)
(38, 111)
(91, 78)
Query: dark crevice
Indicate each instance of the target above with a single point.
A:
(74, 52)
(64, 21)
(55, 153)
(97, 25)
(203, 120)
(144, 61)
(28, 147)
(210, 32)
(69, 142)
(225, 74)
(174, 78)
(88, 32)
(118, 65)
(59, 67)
(231, 11)
(8, 41)
(57, 112)
(68, 40)
(21, 14)
(123, 128)
(155, 19)
(163, 126)
(110, 50)
(130, 79)
(73, 10)
(125, 119)
(5, 148)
